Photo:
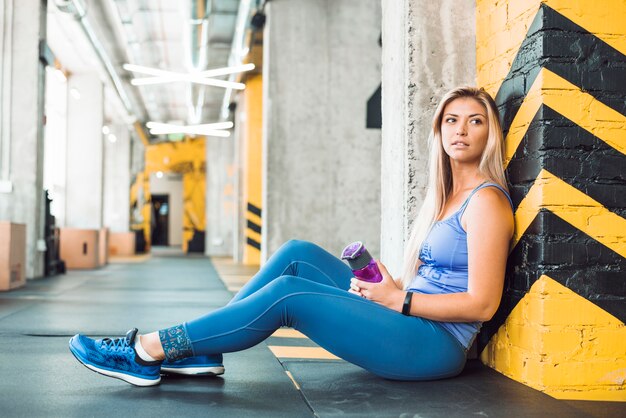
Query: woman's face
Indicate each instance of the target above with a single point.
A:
(464, 130)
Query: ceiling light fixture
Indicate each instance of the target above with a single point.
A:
(207, 126)
(207, 129)
(201, 77)
(188, 78)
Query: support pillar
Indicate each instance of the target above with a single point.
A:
(22, 87)
(85, 149)
(428, 49)
(556, 69)
(117, 179)
(220, 196)
(321, 168)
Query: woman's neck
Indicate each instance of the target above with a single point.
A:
(465, 177)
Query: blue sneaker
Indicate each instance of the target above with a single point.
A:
(116, 358)
(198, 365)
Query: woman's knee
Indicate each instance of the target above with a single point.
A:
(298, 246)
(287, 284)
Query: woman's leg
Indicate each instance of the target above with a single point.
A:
(302, 259)
(295, 258)
(362, 332)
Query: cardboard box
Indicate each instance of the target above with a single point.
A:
(80, 248)
(122, 243)
(103, 245)
(12, 255)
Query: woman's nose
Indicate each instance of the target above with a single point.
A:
(461, 131)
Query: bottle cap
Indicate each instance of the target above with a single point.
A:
(356, 255)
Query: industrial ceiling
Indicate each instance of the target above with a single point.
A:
(184, 36)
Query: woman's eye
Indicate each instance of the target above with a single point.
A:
(476, 121)
(450, 120)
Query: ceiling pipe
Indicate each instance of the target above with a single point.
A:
(198, 13)
(237, 50)
(77, 9)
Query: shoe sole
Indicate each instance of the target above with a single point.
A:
(133, 380)
(191, 371)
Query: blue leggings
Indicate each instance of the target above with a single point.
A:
(304, 287)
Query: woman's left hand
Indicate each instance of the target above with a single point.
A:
(385, 292)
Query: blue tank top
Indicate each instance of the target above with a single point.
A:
(444, 265)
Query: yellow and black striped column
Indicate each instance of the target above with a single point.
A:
(252, 184)
(557, 69)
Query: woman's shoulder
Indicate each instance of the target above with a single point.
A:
(490, 204)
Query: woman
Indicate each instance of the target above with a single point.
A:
(417, 327)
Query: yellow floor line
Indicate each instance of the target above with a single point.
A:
(119, 259)
(288, 333)
(317, 353)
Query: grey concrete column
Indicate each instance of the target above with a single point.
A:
(84, 188)
(22, 87)
(220, 196)
(428, 48)
(239, 225)
(321, 165)
(117, 179)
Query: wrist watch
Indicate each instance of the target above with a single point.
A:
(406, 307)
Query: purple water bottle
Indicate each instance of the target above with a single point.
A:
(361, 262)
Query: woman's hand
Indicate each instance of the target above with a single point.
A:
(385, 292)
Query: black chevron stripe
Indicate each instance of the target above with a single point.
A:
(552, 246)
(253, 243)
(574, 155)
(560, 45)
(254, 209)
(254, 226)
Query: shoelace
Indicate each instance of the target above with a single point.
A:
(115, 344)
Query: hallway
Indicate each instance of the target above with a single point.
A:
(287, 376)
(41, 378)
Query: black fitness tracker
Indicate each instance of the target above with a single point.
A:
(406, 307)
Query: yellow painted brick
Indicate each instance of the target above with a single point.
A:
(559, 341)
(590, 393)
(607, 343)
(518, 10)
(582, 373)
(524, 337)
(566, 310)
(532, 374)
(532, 308)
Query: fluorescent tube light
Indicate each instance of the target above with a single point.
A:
(202, 77)
(223, 134)
(206, 126)
(191, 79)
(208, 129)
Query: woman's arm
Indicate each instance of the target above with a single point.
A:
(489, 224)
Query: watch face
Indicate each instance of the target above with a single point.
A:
(352, 251)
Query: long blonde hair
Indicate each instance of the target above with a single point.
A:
(440, 174)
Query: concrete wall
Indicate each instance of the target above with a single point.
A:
(427, 50)
(321, 165)
(172, 185)
(85, 152)
(55, 139)
(220, 196)
(117, 179)
(22, 78)
(557, 70)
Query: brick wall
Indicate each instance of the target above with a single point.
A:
(557, 70)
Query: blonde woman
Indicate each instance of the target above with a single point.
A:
(417, 327)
